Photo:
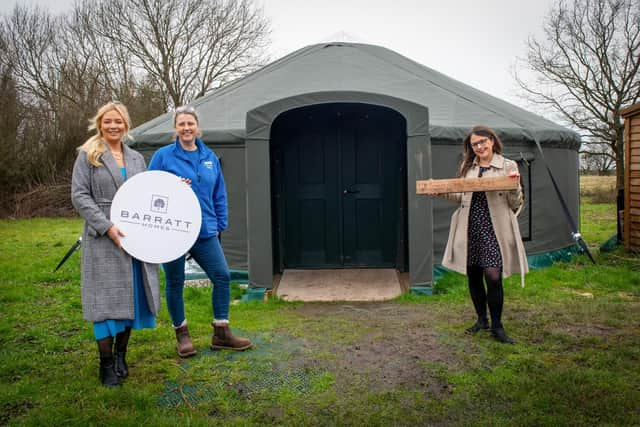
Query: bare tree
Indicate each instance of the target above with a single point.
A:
(57, 85)
(30, 35)
(597, 160)
(57, 78)
(586, 69)
(55, 70)
(185, 46)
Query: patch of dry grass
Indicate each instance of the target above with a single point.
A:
(598, 189)
(592, 182)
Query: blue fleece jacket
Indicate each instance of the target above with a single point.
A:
(206, 181)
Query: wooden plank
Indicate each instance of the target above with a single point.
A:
(630, 111)
(632, 167)
(457, 185)
(627, 220)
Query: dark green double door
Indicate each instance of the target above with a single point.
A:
(339, 184)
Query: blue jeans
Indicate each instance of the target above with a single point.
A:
(209, 256)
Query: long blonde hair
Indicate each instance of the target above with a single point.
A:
(95, 145)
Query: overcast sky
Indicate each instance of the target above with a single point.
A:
(474, 41)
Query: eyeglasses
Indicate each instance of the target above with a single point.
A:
(185, 109)
(477, 144)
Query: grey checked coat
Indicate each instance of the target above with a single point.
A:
(107, 274)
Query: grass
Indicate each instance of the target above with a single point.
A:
(576, 361)
(598, 189)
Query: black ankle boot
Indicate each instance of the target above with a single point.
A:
(501, 336)
(108, 375)
(120, 367)
(481, 324)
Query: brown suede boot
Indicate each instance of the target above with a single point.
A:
(223, 339)
(185, 346)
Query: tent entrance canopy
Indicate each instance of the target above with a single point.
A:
(263, 243)
(338, 182)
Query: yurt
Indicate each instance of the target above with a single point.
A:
(321, 151)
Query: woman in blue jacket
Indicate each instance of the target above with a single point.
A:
(199, 167)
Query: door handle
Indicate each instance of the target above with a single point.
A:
(350, 191)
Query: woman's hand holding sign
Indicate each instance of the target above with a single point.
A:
(114, 234)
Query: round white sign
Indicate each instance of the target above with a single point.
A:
(159, 215)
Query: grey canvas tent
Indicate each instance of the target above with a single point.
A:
(322, 148)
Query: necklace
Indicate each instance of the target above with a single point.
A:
(116, 155)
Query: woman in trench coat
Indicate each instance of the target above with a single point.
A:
(118, 293)
(484, 238)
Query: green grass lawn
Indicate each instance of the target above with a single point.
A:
(405, 362)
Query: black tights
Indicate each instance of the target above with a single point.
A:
(493, 295)
(105, 345)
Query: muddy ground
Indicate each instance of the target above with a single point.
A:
(394, 347)
(390, 346)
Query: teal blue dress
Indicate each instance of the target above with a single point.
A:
(143, 318)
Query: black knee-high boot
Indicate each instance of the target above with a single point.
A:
(108, 375)
(122, 340)
(478, 297)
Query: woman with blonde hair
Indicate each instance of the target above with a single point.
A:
(119, 293)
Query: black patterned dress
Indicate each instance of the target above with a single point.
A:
(483, 249)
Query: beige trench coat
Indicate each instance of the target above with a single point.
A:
(504, 206)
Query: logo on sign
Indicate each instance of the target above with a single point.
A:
(154, 231)
(159, 204)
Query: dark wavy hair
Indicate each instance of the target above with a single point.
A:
(467, 150)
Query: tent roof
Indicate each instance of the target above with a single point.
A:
(454, 107)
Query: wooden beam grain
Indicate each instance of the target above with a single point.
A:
(457, 185)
